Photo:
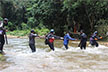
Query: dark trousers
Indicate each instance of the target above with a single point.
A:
(32, 46)
(66, 46)
(1, 46)
(51, 45)
(83, 45)
(94, 43)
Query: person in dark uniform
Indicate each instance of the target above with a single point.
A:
(3, 35)
(5, 22)
(32, 36)
(2, 38)
(50, 39)
(83, 40)
(94, 38)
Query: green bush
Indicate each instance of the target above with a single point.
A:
(10, 26)
(1, 18)
(40, 32)
(102, 27)
(24, 26)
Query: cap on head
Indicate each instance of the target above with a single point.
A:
(5, 19)
(95, 32)
(82, 31)
(52, 30)
(69, 32)
(32, 31)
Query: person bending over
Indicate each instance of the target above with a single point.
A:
(94, 38)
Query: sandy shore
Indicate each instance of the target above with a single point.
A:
(104, 43)
(10, 36)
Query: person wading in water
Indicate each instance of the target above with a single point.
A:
(3, 35)
(83, 41)
(32, 36)
(94, 38)
(49, 39)
(66, 39)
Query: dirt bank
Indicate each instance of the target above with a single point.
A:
(104, 43)
(10, 36)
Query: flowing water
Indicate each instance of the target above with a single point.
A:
(19, 57)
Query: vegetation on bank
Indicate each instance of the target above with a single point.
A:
(40, 32)
(61, 15)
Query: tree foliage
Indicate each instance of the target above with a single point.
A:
(61, 15)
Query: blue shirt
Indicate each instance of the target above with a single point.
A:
(67, 38)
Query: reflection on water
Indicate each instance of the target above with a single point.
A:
(21, 59)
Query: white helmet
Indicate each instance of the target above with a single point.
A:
(52, 30)
(5, 19)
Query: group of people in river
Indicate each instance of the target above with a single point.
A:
(49, 38)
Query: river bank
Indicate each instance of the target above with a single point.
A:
(104, 43)
(12, 36)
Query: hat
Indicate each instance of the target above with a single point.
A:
(82, 31)
(32, 30)
(5, 19)
(95, 32)
(52, 30)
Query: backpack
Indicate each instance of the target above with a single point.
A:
(47, 39)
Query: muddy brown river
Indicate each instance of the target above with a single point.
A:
(19, 57)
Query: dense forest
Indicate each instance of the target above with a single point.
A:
(61, 15)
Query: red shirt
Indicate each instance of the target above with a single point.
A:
(51, 40)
